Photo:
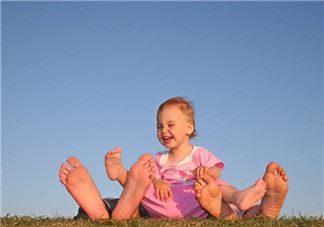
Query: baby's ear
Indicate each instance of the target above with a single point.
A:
(190, 129)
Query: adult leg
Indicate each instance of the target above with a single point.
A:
(210, 198)
(209, 195)
(276, 180)
(277, 188)
(139, 178)
(78, 182)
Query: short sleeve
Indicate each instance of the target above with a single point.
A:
(158, 166)
(203, 157)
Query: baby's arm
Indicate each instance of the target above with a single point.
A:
(162, 190)
(213, 171)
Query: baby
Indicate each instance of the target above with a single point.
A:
(172, 193)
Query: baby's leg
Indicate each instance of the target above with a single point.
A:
(114, 167)
(228, 192)
(251, 195)
(247, 198)
(78, 182)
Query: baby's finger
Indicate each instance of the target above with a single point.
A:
(205, 171)
(157, 193)
(201, 172)
(197, 187)
(169, 193)
(209, 171)
(197, 173)
(194, 173)
(200, 182)
(166, 195)
(162, 195)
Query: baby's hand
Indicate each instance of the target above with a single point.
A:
(162, 190)
(199, 172)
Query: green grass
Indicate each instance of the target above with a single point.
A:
(44, 221)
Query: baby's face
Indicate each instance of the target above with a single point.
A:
(173, 128)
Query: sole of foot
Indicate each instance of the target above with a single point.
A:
(78, 182)
(209, 195)
(139, 178)
(113, 163)
(276, 180)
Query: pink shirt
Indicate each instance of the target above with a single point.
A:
(180, 178)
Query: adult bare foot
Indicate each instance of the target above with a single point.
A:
(209, 195)
(250, 196)
(114, 167)
(139, 178)
(78, 182)
(277, 188)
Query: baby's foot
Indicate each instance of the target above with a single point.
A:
(250, 196)
(209, 195)
(277, 187)
(78, 182)
(113, 163)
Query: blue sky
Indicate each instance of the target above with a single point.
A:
(82, 78)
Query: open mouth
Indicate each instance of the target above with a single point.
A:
(167, 139)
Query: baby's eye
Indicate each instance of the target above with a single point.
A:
(159, 127)
(170, 126)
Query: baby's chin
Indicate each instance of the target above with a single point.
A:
(168, 145)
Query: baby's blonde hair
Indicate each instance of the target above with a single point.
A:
(186, 108)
